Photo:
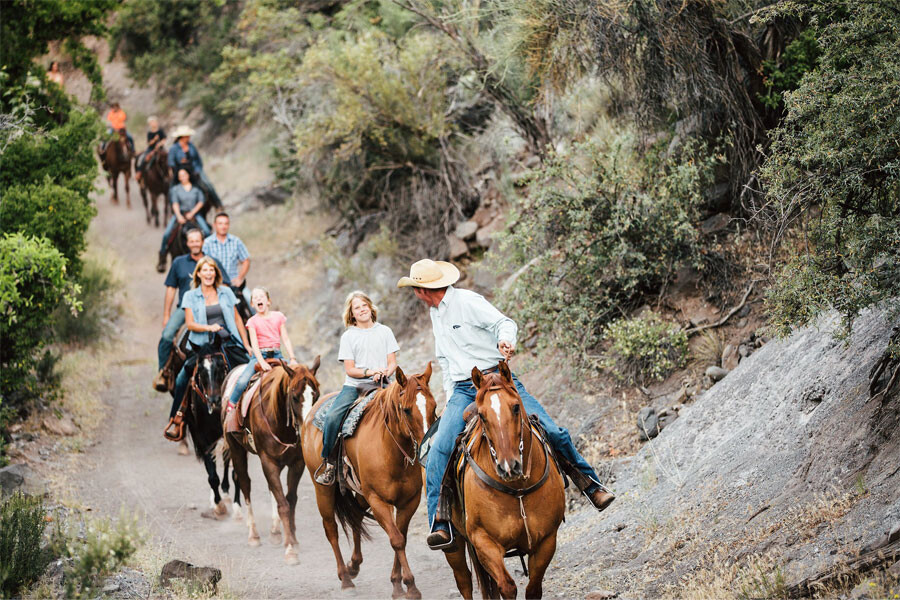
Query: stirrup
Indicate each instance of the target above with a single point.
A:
(451, 543)
(326, 476)
(178, 423)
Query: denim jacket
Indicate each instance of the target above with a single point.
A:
(194, 300)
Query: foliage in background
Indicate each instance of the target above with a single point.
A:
(94, 549)
(644, 348)
(21, 533)
(177, 42)
(784, 73)
(835, 164)
(32, 283)
(599, 229)
(100, 306)
(28, 27)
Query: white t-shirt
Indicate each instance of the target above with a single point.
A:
(367, 348)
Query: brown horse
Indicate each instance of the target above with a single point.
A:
(274, 420)
(383, 455)
(155, 183)
(512, 493)
(116, 158)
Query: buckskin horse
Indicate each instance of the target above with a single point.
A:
(155, 183)
(511, 495)
(383, 454)
(116, 158)
(201, 409)
(273, 423)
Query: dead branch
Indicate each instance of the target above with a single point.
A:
(724, 319)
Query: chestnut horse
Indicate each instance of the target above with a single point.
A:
(116, 158)
(383, 455)
(274, 420)
(155, 183)
(512, 493)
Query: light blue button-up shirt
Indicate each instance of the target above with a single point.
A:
(195, 301)
(467, 329)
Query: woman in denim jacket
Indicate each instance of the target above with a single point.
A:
(209, 310)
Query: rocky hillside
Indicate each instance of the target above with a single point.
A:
(779, 472)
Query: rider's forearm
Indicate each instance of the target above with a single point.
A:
(167, 303)
(244, 268)
(287, 344)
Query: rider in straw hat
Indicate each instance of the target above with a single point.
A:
(470, 332)
(183, 155)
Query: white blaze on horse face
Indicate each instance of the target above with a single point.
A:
(307, 400)
(422, 405)
(495, 405)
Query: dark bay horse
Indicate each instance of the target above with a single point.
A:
(116, 158)
(512, 493)
(155, 183)
(202, 417)
(274, 420)
(383, 454)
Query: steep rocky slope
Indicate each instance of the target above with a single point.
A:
(779, 471)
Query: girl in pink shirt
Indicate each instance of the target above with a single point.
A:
(267, 329)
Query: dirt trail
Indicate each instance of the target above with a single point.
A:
(134, 468)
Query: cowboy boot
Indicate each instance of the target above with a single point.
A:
(440, 538)
(161, 265)
(600, 498)
(327, 471)
(231, 423)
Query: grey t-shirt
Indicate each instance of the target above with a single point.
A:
(186, 199)
(367, 348)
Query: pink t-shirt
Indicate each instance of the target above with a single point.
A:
(268, 328)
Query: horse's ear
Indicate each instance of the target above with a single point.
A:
(477, 378)
(316, 363)
(427, 373)
(504, 371)
(401, 378)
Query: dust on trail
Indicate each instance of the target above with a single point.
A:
(134, 468)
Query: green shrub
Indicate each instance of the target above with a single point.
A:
(598, 230)
(784, 74)
(21, 532)
(32, 283)
(98, 299)
(102, 548)
(835, 164)
(644, 348)
(52, 211)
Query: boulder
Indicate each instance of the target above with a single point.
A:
(205, 577)
(648, 423)
(19, 477)
(484, 215)
(458, 248)
(60, 426)
(466, 230)
(485, 235)
(715, 223)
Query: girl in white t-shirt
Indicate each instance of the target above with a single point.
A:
(369, 353)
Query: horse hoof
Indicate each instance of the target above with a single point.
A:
(352, 570)
(346, 584)
(414, 594)
(253, 542)
(221, 509)
(291, 558)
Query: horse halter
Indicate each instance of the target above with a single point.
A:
(203, 394)
(523, 425)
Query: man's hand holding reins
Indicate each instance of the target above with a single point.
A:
(507, 349)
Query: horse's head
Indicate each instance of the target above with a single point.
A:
(209, 376)
(414, 401)
(303, 388)
(502, 420)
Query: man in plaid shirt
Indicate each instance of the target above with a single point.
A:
(231, 252)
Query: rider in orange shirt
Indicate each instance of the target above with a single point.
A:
(116, 118)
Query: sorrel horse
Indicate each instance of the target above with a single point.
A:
(155, 183)
(383, 455)
(116, 159)
(274, 420)
(202, 418)
(511, 494)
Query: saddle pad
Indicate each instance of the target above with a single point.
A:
(353, 417)
(247, 397)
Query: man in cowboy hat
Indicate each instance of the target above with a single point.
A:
(183, 155)
(470, 332)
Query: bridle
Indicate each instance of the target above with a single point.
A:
(294, 421)
(409, 460)
(201, 393)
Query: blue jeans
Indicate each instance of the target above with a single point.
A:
(335, 417)
(241, 384)
(452, 424)
(201, 222)
(167, 339)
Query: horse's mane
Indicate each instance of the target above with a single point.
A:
(496, 379)
(391, 402)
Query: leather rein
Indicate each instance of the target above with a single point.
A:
(410, 460)
(294, 422)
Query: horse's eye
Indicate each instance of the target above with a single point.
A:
(408, 411)
(516, 409)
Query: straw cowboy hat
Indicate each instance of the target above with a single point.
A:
(182, 131)
(430, 274)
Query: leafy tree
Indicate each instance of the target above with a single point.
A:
(599, 229)
(32, 282)
(835, 164)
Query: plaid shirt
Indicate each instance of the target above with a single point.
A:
(232, 253)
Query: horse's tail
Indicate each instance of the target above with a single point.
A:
(489, 587)
(351, 514)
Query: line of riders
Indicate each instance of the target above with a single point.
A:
(223, 341)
